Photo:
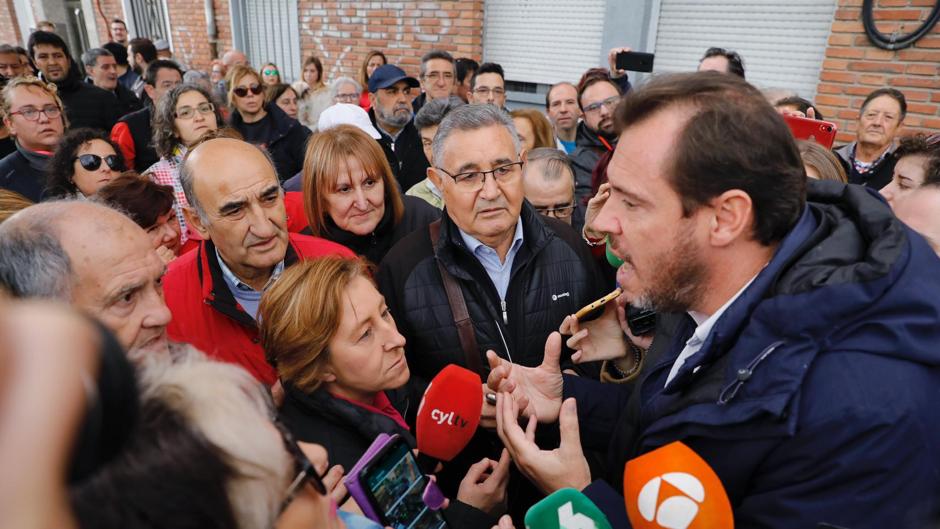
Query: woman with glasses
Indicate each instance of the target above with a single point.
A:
(270, 74)
(266, 125)
(350, 196)
(284, 96)
(85, 160)
(182, 116)
(345, 90)
(32, 113)
(340, 367)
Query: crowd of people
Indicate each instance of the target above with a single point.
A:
(219, 287)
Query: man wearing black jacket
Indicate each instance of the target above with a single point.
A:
(390, 91)
(101, 69)
(85, 105)
(597, 97)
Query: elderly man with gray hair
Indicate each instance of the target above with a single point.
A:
(237, 206)
(511, 272)
(94, 258)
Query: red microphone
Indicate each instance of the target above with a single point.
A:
(448, 415)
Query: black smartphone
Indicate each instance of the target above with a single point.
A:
(635, 61)
(640, 321)
(395, 486)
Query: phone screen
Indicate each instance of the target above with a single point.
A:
(396, 484)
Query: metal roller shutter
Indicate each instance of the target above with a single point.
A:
(782, 43)
(269, 31)
(543, 41)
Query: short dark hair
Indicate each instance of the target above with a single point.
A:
(90, 57)
(144, 47)
(734, 139)
(118, 21)
(436, 54)
(61, 169)
(119, 52)
(591, 78)
(154, 67)
(487, 67)
(803, 105)
(142, 199)
(46, 38)
(920, 145)
(890, 92)
(464, 67)
(145, 477)
(735, 62)
(274, 91)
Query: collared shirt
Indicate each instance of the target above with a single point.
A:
(393, 137)
(247, 297)
(705, 324)
(498, 271)
(863, 167)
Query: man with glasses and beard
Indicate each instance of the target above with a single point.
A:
(391, 92)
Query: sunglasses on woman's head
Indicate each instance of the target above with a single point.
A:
(91, 162)
(242, 91)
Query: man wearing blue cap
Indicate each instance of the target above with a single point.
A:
(391, 91)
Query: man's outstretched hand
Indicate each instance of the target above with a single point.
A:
(549, 470)
(535, 390)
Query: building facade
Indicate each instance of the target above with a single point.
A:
(815, 48)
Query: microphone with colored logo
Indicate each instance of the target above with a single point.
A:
(566, 509)
(672, 487)
(448, 415)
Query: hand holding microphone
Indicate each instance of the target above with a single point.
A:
(448, 416)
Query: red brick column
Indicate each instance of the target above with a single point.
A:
(853, 66)
(9, 29)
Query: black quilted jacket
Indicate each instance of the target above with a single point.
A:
(553, 275)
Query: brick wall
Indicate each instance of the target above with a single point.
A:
(853, 66)
(189, 32)
(9, 29)
(109, 9)
(341, 33)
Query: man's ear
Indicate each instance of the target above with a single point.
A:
(151, 92)
(9, 125)
(435, 177)
(372, 99)
(731, 218)
(192, 218)
(89, 70)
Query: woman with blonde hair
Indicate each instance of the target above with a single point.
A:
(820, 163)
(265, 124)
(340, 367)
(350, 195)
(533, 128)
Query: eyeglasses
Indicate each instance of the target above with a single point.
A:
(485, 91)
(472, 181)
(347, 98)
(32, 113)
(436, 76)
(91, 162)
(188, 112)
(242, 91)
(562, 212)
(271, 71)
(306, 473)
(610, 103)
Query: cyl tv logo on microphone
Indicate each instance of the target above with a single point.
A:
(673, 488)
